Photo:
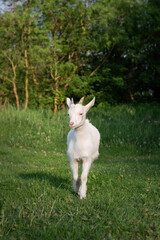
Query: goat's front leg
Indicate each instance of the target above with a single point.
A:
(85, 171)
(76, 182)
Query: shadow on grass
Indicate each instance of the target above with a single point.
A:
(56, 181)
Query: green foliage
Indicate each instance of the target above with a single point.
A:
(102, 48)
(36, 196)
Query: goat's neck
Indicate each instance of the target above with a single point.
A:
(81, 127)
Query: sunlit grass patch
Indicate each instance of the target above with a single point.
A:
(36, 196)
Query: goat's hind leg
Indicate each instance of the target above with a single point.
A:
(76, 181)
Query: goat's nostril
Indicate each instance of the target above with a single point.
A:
(71, 123)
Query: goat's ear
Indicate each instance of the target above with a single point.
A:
(68, 102)
(81, 100)
(89, 105)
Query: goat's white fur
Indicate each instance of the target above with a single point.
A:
(83, 143)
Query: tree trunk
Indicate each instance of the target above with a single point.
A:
(55, 104)
(33, 72)
(26, 34)
(14, 81)
(56, 90)
(55, 77)
(129, 88)
(131, 95)
(26, 82)
(16, 95)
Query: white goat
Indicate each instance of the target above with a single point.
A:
(83, 143)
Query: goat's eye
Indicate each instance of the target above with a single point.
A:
(81, 114)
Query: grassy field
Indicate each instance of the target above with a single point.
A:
(36, 196)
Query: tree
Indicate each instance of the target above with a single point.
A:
(108, 49)
(10, 51)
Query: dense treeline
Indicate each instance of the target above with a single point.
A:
(57, 48)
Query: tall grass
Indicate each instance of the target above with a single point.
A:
(120, 126)
(36, 196)
(129, 125)
(34, 128)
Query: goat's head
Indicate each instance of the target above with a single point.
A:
(77, 112)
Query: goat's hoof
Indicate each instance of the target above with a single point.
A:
(76, 189)
(76, 186)
(79, 191)
(83, 196)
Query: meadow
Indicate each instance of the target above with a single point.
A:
(123, 198)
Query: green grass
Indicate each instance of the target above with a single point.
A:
(36, 196)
